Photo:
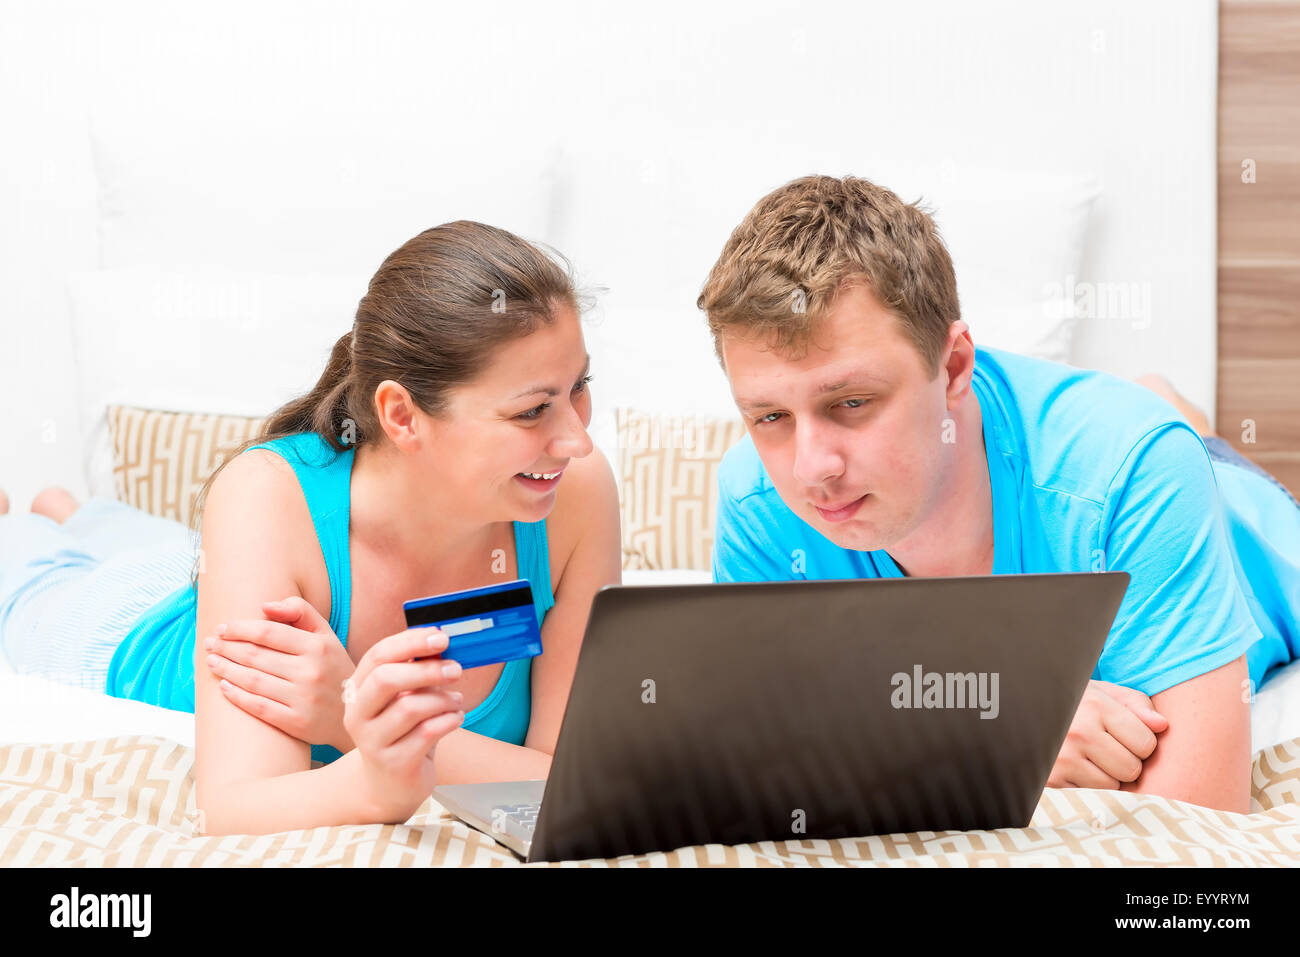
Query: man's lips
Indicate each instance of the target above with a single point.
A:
(844, 512)
(836, 508)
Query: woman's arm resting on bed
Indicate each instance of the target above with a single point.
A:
(1205, 756)
(250, 777)
(465, 757)
(329, 796)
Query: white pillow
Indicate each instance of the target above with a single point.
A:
(217, 340)
(267, 195)
(1015, 236)
(199, 341)
(652, 360)
(1017, 240)
(1275, 712)
(667, 576)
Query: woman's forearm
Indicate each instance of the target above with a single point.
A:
(465, 757)
(334, 794)
(338, 794)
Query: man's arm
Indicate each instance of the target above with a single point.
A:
(1181, 633)
(1205, 755)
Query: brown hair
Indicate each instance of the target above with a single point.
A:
(783, 266)
(432, 314)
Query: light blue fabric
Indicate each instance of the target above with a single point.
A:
(155, 663)
(70, 591)
(1088, 472)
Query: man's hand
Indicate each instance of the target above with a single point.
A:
(287, 670)
(1114, 730)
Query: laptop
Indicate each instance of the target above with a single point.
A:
(767, 711)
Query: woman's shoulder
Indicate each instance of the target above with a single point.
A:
(287, 462)
(260, 481)
(272, 477)
(256, 510)
(301, 448)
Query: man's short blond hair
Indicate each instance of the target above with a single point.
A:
(803, 242)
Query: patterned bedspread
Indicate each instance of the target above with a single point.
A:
(129, 801)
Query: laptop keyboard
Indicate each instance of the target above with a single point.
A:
(525, 815)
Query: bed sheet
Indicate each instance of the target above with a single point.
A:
(129, 801)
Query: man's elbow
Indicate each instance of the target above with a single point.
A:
(1205, 755)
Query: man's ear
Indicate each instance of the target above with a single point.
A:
(958, 362)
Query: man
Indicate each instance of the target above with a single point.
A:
(882, 442)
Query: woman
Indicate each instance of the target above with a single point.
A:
(403, 473)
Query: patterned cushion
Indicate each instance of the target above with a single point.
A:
(668, 467)
(669, 476)
(161, 459)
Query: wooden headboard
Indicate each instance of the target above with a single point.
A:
(1259, 233)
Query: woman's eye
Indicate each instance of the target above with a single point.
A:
(581, 386)
(863, 401)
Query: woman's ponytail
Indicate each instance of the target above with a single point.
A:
(326, 409)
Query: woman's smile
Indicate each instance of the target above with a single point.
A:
(539, 484)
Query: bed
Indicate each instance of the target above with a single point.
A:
(296, 204)
(89, 780)
(128, 801)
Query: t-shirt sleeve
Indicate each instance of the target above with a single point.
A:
(745, 546)
(1184, 613)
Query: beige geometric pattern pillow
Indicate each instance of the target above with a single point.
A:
(669, 474)
(668, 465)
(161, 459)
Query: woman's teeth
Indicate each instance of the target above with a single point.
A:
(539, 475)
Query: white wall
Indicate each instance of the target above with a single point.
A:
(687, 111)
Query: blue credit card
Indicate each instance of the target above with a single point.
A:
(484, 625)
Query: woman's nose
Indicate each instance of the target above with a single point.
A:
(574, 442)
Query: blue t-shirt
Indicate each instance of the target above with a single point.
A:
(1089, 472)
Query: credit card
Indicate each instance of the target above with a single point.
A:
(484, 625)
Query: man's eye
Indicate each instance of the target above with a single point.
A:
(768, 420)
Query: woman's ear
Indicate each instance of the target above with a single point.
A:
(398, 415)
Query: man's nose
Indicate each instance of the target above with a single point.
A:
(816, 458)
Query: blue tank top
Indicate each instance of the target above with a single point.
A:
(155, 661)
